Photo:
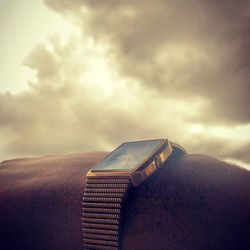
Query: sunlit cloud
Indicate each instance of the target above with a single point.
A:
(22, 26)
(138, 70)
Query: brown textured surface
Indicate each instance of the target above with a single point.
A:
(196, 202)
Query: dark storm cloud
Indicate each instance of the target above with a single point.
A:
(179, 48)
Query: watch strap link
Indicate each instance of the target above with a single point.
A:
(102, 211)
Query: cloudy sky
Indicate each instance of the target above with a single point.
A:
(86, 75)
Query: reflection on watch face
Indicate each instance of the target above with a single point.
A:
(128, 156)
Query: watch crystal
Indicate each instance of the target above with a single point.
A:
(128, 156)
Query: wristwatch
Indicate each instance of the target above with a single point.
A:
(109, 182)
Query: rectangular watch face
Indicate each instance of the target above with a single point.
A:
(129, 156)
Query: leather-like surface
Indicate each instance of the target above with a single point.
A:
(195, 202)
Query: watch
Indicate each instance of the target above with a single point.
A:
(109, 182)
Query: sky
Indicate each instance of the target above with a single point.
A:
(87, 75)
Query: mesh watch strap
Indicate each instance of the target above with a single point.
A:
(102, 211)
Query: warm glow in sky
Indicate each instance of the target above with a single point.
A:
(87, 75)
(23, 25)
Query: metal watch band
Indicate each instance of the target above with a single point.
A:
(102, 211)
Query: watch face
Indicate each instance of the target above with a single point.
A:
(128, 156)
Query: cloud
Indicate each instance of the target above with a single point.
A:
(220, 147)
(178, 48)
(69, 109)
(135, 70)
